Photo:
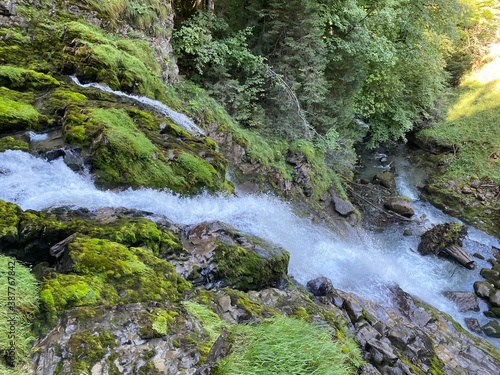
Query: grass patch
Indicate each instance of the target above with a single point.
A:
(18, 307)
(471, 129)
(284, 345)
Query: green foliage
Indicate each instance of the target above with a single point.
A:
(18, 307)
(147, 16)
(286, 346)
(219, 58)
(471, 129)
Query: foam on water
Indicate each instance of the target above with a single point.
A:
(365, 267)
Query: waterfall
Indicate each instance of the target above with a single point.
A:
(179, 118)
(365, 268)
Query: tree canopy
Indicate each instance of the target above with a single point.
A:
(330, 69)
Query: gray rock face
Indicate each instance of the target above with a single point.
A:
(123, 333)
(400, 206)
(465, 301)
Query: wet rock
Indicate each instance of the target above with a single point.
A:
(321, 286)
(493, 312)
(465, 301)
(353, 310)
(494, 297)
(483, 288)
(492, 329)
(386, 179)
(343, 207)
(490, 274)
(54, 154)
(473, 325)
(445, 240)
(219, 256)
(401, 206)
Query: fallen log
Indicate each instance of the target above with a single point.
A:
(459, 255)
(445, 240)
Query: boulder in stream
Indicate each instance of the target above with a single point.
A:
(445, 240)
(400, 205)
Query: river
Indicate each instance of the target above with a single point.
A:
(364, 266)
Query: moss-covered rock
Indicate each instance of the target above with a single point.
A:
(9, 223)
(221, 256)
(19, 78)
(29, 235)
(104, 272)
(11, 143)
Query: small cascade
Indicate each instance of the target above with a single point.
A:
(179, 118)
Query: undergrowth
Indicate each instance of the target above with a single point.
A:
(284, 345)
(471, 131)
(18, 307)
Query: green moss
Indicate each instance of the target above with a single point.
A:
(9, 221)
(157, 323)
(437, 366)
(99, 58)
(199, 172)
(212, 326)
(11, 143)
(106, 272)
(87, 349)
(17, 116)
(27, 97)
(129, 157)
(246, 270)
(19, 78)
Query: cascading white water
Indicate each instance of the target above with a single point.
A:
(179, 118)
(363, 267)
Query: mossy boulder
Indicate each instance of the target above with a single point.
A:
(103, 272)
(223, 257)
(29, 235)
(11, 143)
(17, 78)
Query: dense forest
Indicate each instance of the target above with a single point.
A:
(332, 72)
